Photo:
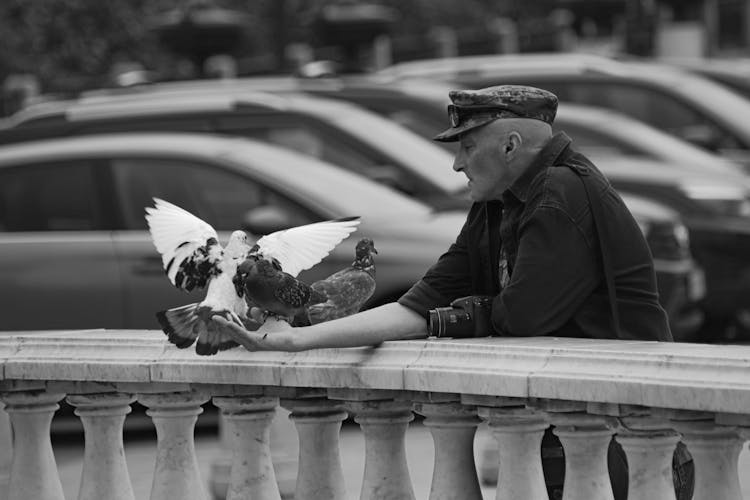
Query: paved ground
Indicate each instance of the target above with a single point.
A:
(141, 452)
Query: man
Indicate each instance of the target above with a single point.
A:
(547, 238)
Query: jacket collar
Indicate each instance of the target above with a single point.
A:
(546, 158)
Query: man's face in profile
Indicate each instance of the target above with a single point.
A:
(480, 157)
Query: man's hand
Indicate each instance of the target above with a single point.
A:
(273, 335)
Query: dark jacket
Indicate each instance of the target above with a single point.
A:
(545, 227)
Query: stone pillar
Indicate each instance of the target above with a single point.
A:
(105, 471)
(33, 472)
(585, 440)
(453, 426)
(320, 475)
(248, 425)
(715, 450)
(384, 424)
(518, 432)
(176, 472)
(649, 445)
(6, 452)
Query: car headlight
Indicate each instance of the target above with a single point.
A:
(721, 199)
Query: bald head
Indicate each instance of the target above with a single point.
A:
(531, 131)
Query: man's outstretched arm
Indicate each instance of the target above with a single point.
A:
(387, 322)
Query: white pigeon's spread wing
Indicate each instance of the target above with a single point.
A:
(302, 247)
(189, 247)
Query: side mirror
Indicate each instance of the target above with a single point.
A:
(266, 219)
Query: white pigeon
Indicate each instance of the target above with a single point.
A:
(192, 257)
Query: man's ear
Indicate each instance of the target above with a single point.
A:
(513, 143)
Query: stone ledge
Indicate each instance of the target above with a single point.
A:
(669, 375)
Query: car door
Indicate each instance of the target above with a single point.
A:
(57, 259)
(218, 195)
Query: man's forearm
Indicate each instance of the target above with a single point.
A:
(387, 322)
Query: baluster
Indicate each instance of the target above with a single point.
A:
(176, 472)
(518, 431)
(105, 471)
(6, 452)
(453, 426)
(248, 424)
(649, 445)
(585, 439)
(318, 422)
(715, 450)
(33, 472)
(384, 424)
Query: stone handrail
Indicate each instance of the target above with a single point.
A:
(648, 394)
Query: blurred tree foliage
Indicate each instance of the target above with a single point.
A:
(73, 44)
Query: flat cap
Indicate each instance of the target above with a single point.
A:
(474, 108)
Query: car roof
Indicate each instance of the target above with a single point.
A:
(369, 82)
(273, 93)
(151, 103)
(537, 61)
(332, 187)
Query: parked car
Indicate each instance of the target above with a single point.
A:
(75, 252)
(663, 96)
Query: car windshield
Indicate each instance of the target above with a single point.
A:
(338, 190)
(422, 157)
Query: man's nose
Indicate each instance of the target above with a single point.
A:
(458, 162)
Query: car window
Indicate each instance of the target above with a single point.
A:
(654, 107)
(218, 196)
(340, 145)
(49, 197)
(306, 137)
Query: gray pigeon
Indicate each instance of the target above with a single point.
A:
(348, 289)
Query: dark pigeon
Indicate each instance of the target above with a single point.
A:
(346, 290)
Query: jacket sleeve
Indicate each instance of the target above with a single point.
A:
(447, 279)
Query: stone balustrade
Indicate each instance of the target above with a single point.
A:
(649, 395)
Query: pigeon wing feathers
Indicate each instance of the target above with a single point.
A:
(295, 294)
(188, 246)
(302, 247)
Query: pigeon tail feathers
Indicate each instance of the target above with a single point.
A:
(180, 324)
(185, 324)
